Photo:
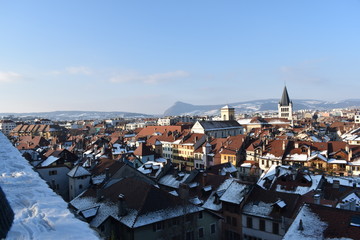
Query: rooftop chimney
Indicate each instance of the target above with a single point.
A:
(183, 191)
(99, 194)
(107, 174)
(317, 199)
(203, 179)
(121, 205)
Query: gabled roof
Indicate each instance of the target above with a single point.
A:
(143, 150)
(50, 160)
(285, 100)
(104, 163)
(78, 171)
(145, 203)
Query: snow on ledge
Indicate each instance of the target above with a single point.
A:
(39, 212)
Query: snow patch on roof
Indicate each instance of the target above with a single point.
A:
(313, 226)
(50, 160)
(78, 171)
(315, 180)
(261, 209)
(234, 193)
(173, 181)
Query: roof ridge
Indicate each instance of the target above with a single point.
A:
(142, 204)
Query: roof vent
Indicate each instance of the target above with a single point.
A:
(301, 226)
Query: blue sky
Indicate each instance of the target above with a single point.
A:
(142, 56)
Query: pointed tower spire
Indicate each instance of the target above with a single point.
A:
(285, 100)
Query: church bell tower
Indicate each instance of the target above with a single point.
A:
(285, 106)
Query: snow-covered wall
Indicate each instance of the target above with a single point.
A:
(39, 212)
(6, 215)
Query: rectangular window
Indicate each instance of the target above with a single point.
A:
(262, 225)
(275, 228)
(200, 215)
(228, 220)
(201, 232)
(212, 228)
(249, 223)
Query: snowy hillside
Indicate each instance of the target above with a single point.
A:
(39, 212)
(180, 108)
(77, 115)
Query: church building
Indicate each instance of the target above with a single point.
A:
(285, 106)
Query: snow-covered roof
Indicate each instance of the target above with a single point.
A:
(172, 181)
(174, 193)
(260, 208)
(344, 181)
(193, 184)
(207, 188)
(91, 212)
(297, 157)
(349, 198)
(337, 161)
(151, 167)
(195, 201)
(314, 179)
(50, 160)
(162, 160)
(133, 218)
(39, 212)
(98, 179)
(244, 121)
(78, 171)
(317, 155)
(248, 165)
(313, 227)
(210, 202)
(269, 174)
(234, 193)
(281, 203)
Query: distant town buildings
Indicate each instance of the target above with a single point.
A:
(196, 178)
(6, 126)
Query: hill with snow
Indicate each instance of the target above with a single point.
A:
(181, 108)
(77, 115)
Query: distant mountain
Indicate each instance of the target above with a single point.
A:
(180, 108)
(77, 115)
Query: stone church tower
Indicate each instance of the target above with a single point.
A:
(227, 113)
(285, 106)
